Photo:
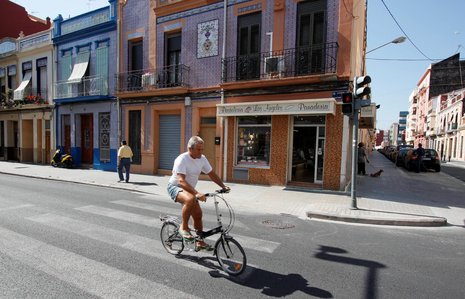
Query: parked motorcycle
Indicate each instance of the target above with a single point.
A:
(62, 160)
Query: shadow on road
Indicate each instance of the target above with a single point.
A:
(143, 183)
(328, 253)
(271, 284)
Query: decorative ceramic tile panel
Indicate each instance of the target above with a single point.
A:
(207, 39)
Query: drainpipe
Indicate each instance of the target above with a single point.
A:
(118, 36)
(223, 72)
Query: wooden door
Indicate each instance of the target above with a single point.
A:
(208, 133)
(87, 144)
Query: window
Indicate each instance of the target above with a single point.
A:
(135, 135)
(248, 46)
(104, 136)
(42, 77)
(311, 24)
(172, 74)
(253, 144)
(2, 81)
(135, 64)
(101, 83)
(12, 77)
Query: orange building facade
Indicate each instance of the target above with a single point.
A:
(259, 81)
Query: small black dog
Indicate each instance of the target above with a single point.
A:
(376, 174)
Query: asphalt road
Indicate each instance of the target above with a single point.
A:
(67, 240)
(456, 172)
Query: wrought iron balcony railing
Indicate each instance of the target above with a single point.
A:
(302, 61)
(89, 86)
(149, 79)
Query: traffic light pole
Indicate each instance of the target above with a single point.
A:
(353, 186)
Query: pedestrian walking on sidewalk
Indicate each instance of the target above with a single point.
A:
(362, 157)
(124, 160)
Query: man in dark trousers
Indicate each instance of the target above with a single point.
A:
(420, 155)
(124, 160)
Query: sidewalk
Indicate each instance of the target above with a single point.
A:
(380, 200)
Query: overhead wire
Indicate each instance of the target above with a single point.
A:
(403, 31)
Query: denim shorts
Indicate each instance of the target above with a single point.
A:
(173, 191)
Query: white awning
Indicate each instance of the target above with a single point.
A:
(80, 67)
(19, 92)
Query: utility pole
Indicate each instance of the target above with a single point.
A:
(361, 98)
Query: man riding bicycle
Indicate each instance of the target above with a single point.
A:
(181, 187)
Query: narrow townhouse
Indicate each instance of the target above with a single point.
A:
(25, 86)
(260, 81)
(450, 126)
(86, 110)
(439, 78)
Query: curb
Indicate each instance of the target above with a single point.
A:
(423, 221)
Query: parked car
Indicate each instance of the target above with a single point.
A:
(431, 160)
(396, 156)
(400, 156)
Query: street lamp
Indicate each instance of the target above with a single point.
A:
(398, 40)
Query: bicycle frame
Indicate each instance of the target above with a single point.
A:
(228, 251)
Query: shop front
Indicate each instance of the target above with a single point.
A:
(283, 142)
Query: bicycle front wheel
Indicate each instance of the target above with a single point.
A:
(171, 239)
(230, 256)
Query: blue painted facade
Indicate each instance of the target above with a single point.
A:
(85, 108)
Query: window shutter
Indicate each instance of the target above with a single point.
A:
(102, 70)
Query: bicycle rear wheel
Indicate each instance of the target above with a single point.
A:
(230, 256)
(171, 239)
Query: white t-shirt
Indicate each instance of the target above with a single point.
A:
(190, 167)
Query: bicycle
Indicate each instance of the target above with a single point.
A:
(229, 253)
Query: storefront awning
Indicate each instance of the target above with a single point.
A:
(299, 107)
(19, 92)
(80, 67)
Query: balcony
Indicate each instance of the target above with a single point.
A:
(303, 61)
(451, 127)
(89, 86)
(29, 96)
(151, 79)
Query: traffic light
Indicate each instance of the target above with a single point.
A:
(362, 92)
(347, 103)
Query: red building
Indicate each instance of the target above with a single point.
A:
(14, 19)
(379, 138)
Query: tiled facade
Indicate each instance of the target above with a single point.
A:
(200, 103)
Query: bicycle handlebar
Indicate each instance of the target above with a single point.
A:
(221, 191)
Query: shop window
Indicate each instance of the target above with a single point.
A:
(254, 137)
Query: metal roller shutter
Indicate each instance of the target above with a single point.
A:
(170, 140)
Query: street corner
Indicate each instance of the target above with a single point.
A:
(375, 217)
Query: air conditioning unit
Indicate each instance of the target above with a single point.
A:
(148, 79)
(274, 66)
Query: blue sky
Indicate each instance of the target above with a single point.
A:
(67, 8)
(435, 27)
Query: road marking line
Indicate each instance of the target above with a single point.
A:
(91, 276)
(171, 211)
(247, 242)
(146, 246)
(120, 215)
(16, 207)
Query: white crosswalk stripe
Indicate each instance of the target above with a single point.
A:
(91, 276)
(125, 240)
(120, 215)
(246, 242)
(171, 211)
(16, 207)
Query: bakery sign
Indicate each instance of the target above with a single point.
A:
(301, 107)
